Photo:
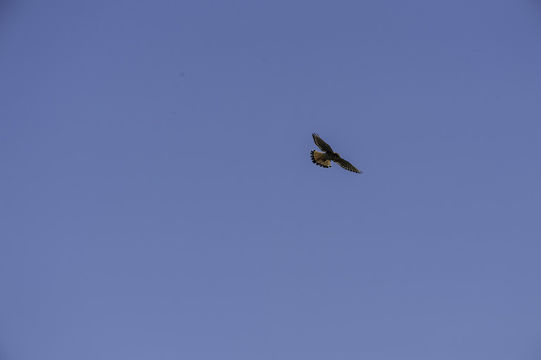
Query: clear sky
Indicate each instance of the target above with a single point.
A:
(158, 200)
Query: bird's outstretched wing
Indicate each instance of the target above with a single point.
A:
(321, 144)
(347, 165)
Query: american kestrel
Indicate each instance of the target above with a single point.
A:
(324, 158)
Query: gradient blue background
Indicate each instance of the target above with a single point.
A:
(158, 199)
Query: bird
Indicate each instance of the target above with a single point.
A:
(324, 159)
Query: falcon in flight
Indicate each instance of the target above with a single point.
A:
(324, 158)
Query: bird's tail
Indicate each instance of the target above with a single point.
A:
(318, 158)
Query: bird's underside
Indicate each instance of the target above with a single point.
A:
(325, 158)
(319, 159)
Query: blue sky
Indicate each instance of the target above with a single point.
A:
(158, 199)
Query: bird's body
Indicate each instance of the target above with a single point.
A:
(324, 158)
